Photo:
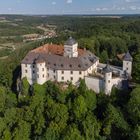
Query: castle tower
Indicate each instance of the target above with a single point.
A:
(108, 78)
(70, 48)
(127, 64)
(41, 71)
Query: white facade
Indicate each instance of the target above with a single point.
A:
(94, 83)
(71, 50)
(127, 66)
(108, 82)
(87, 67)
(41, 73)
(27, 71)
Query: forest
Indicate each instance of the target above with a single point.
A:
(48, 112)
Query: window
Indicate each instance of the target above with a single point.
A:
(48, 74)
(80, 72)
(33, 66)
(126, 68)
(79, 66)
(40, 64)
(108, 81)
(70, 66)
(54, 64)
(54, 71)
(62, 65)
(62, 78)
(71, 78)
(38, 76)
(54, 77)
(33, 71)
(62, 72)
(43, 76)
(42, 69)
(71, 72)
(80, 78)
(25, 65)
(26, 71)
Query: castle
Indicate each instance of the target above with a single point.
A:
(69, 63)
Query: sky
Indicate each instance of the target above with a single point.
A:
(59, 7)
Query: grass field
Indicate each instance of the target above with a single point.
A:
(13, 29)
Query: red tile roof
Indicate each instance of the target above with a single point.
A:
(54, 49)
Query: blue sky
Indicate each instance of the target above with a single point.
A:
(69, 6)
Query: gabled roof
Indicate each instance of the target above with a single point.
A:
(70, 41)
(107, 69)
(127, 57)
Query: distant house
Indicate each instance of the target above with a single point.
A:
(69, 63)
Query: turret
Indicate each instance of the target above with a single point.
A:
(71, 48)
(107, 77)
(127, 64)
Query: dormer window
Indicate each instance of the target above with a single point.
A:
(70, 66)
(62, 65)
(79, 66)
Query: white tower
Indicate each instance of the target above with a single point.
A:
(41, 71)
(70, 48)
(108, 78)
(127, 64)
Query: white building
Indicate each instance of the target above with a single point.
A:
(68, 63)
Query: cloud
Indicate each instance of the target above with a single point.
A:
(69, 1)
(134, 8)
(128, 0)
(131, 1)
(53, 3)
(9, 9)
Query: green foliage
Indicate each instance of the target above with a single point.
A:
(79, 107)
(90, 127)
(114, 123)
(133, 106)
(25, 87)
(136, 66)
(104, 56)
(135, 135)
(73, 133)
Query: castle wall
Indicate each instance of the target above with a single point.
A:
(27, 71)
(41, 73)
(94, 83)
(73, 76)
(51, 75)
(127, 66)
(117, 82)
